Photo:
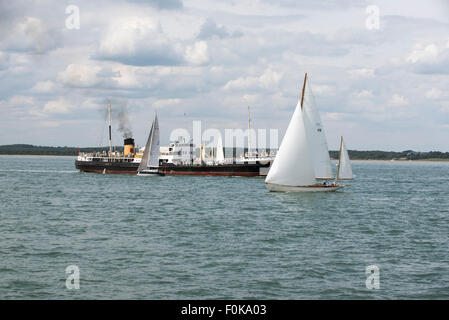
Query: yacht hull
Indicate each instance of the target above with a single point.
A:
(314, 188)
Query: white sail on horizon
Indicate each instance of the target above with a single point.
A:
(316, 136)
(345, 164)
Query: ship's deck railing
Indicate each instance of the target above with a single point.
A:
(107, 159)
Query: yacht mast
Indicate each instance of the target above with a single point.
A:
(339, 160)
(303, 89)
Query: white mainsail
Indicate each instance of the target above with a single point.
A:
(150, 158)
(293, 163)
(316, 136)
(345, 164)
(219, 155)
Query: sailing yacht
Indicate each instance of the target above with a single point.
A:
(344, 171)
(149, 165)
(303, 156)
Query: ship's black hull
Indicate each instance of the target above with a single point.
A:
(237, 169)
(107, 167)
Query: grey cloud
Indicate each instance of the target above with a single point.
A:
(108, 73)
(31, 35)
(439, 66)
(145, 57)
(23, 29)
(210, 29)
(322, 4)
(138, 42)
(162, 4)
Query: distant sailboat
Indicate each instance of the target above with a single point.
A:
(299, 160)
(149, 165)
(344, 171)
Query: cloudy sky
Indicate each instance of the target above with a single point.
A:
(382, 87)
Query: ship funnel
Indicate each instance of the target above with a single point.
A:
(129, 147)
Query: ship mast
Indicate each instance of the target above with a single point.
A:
(249, 132)
(109, 122)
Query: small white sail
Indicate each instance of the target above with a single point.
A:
(293, 163)
(316, 136)
(150, 158)
(345, 165)
(219, 155)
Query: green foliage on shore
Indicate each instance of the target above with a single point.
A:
(27, 149)
(392, 155)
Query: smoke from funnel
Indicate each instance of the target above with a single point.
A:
(120, 117)
(124, 126)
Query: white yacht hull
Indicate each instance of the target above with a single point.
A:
(314, 188)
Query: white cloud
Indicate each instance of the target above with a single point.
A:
(197, 54)
(43, 87)
(433, 93)
(138, 41)
(362, 73)
(30, 34)
(323, 89)
(423, 53)
(58, 106)
(268, 80)
(398, 100)
(21, 100)
(364, 94)
(78, 75)
(429, 59)
(163, 103)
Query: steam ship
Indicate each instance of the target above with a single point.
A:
(179, 158)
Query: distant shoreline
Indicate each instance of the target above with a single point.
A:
(39, 155)
(419, 160)
(363, 155)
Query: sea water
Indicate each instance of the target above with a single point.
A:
(178, 237)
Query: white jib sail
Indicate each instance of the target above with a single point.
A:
(293, 163)
(345, 165)
(316, 136)
(219, 155)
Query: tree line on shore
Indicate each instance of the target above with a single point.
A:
(27, 149)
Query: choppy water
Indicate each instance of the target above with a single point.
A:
(221, 238)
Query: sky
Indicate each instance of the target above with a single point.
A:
(378, 69)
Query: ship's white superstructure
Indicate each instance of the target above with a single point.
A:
(178, 152)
